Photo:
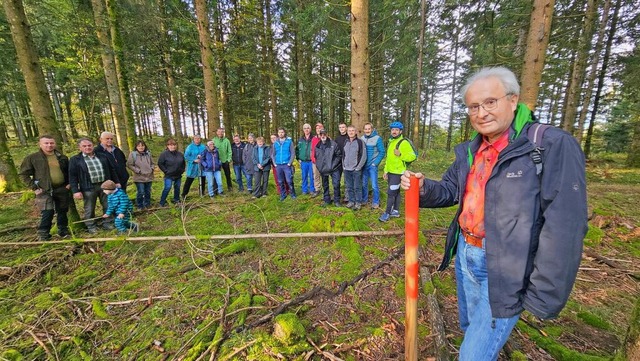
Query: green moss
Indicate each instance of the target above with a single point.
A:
(444, 283)
(12, 355)
(169, 261)
(594, 320)
(352, 258)
(239, 246)
(288, 329)
(594, 236)
(518, 356)
(98, 309)
(555, 349)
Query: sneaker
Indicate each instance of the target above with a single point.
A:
(384, 217)
(337, 204)
(282, 198)
(254, 197)
(375, 206)
(350, 205)
(92, 230)
(314, 194)
(395, 213)
(293, 196)
(357, 207)
(44, 237)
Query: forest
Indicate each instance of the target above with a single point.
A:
(154, 69)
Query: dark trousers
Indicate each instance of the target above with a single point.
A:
(143, 194)
(189, 181)
(227, 174)
(50, 204)
(260, 182)
(335, 180)
(393, 192)
(90, 199)
(353, 183)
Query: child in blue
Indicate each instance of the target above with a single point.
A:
(119, 205)
(211, 165)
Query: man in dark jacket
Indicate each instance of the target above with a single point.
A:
(247, 160)
(116, 157)
(46, 172)
(303, 155)
(518, 234)
(171, 163)
(329, 162)
(237, 157)
(87, 171)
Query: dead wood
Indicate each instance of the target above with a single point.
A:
(16, 229)
(601, 259)
(221, 237)
(436, 319)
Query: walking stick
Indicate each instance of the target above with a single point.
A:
(411, 270)
(200, 183)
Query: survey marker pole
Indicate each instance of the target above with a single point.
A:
(411, 225)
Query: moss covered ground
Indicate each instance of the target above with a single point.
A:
(188, 300)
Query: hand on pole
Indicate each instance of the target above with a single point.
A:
(405, 179)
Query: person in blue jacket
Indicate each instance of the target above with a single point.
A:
(211, 167)
(375, 154)
(282, 157)
(518, 232)
(120, 207)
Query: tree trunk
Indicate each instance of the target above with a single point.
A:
(9, 181)
(57, 108)
(359, 63)
(584, 109)
(29, 63)
(579, 67)
(110, 71)
(206, 53)
(601, 76)
(454, 85)
(67, 107)
(227, 118)
(15, 114)
(164, 118)
(273, 89)
(537, 42)
(418, 105)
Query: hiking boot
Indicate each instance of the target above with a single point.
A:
(92, 230)
(282, 198)
(350, 205)
(395, 213)
(293, 196)
(384, 217)
(314, 194)
(375, 206)
(338, 204)
(44, 237)
(357, 206)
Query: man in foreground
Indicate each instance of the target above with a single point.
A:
(46, 172)
(518, 235)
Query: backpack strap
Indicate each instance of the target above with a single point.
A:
(535, 134)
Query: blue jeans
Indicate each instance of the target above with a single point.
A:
(484, 335)
(307, 177)
(370, 172)
(168, 182)
(239, 170)
(249, 174)
(353, 182)
(285, 176)
(210, 177)
(143, 194)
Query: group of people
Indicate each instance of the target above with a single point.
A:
(517, 234)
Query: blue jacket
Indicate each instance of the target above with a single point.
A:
(119, 203)
(534, 224)
(210, 160)
(190, 155)
(283, 152)
(375, 148)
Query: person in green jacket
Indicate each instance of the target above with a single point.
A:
(394, 167)
(224, 150)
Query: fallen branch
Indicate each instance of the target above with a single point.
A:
(127, 302)
(601, 259)
(238, 350)
(212, 238)
(16, 229)
(436, 319)
(39, 342)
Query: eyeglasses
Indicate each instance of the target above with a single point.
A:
(488, 105)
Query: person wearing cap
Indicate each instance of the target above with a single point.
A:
(303, 155)
(518, 231)
(398, 153)
(87, 171)
(317, 178)
(46, 172)
(171, 163)
(329, 162)
(120, 207)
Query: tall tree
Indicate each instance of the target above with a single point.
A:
(417, 106)
(9, 181)
(537, 42)
(110, 72)
(208, 64)
(359, 63)
(29, 63)
(579, 67)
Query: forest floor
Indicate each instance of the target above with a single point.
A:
(333, 298)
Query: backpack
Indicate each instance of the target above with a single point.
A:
(412, 147)
(535, 134)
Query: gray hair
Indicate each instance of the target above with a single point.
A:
(210, 143)
(103, 134)
(504, 75)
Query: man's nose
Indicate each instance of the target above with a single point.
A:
(482, 112)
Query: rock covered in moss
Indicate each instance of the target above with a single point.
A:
(288, 329)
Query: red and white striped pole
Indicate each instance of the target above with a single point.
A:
(411, 225)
